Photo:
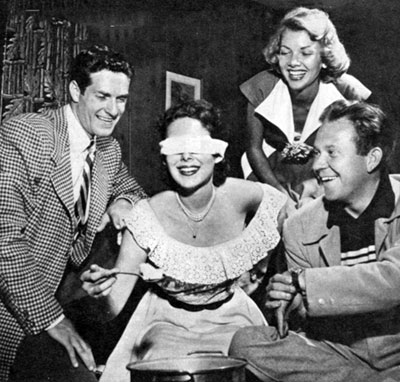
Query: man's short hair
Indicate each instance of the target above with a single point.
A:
(95, 59)
(370, 123)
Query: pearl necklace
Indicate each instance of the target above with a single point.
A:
(200, 216)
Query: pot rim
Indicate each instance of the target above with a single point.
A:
(240, 363)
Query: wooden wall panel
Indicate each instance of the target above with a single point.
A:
(37, 55)
(219, 42)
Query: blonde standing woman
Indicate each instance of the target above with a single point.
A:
(307, 72)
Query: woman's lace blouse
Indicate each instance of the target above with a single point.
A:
(203, 275)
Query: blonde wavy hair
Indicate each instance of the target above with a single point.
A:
(320, 28)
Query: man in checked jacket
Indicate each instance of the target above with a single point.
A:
(41, 161)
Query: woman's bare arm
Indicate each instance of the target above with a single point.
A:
(255, 154)
(110, 286)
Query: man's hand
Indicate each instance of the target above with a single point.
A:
(66, 335)
(97, 282)
(116, 214)
(283, 298)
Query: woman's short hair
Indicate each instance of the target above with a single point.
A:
(95, 59)
(320, 28)
(370, 124)
(210, 118)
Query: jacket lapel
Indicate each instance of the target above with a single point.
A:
(326, 239)
(383, 225)
(330, 247)
(62, 175)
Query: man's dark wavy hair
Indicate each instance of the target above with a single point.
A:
(370, 123)
(95, 59)
(210, 118)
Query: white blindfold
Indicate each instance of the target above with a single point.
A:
(198, 145)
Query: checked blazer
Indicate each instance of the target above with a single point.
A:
(37, 220)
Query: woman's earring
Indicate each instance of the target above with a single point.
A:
(323, 66)
(218, 158)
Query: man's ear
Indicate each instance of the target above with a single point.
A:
(374, 158)
(74, 91)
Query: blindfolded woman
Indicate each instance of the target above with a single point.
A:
(192, 243)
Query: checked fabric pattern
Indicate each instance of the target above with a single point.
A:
(37, 219)
(82, 204)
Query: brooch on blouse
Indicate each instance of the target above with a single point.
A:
(297, 153)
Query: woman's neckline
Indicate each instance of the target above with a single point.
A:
(229, 241)
(306, 96)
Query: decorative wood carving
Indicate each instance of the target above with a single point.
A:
(37, 55)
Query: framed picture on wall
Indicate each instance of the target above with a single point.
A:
(180, 88)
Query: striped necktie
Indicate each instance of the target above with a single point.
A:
(81, 205)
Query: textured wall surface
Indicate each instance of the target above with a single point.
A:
(220, 42)
(217, 42)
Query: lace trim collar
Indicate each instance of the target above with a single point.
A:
(213, 264)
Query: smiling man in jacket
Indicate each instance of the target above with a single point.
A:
(343, 253)
(61, 181)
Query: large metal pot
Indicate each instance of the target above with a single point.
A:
(198, 368)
